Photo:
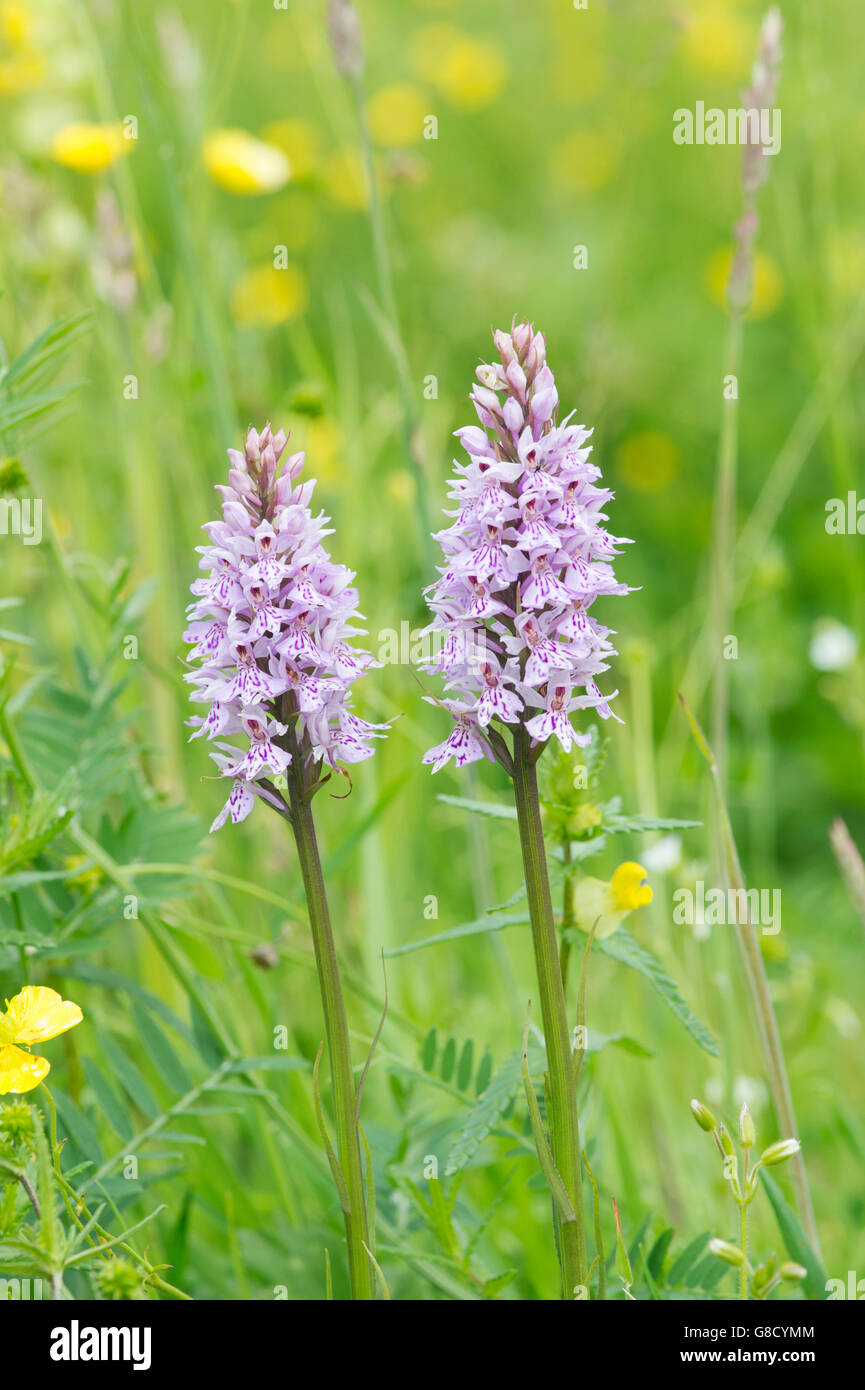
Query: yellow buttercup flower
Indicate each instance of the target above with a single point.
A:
(470, 72)
(265, 295)
(241, 164)
(33, 1016)
(88, 148)
(396, 115)
(717, 43)
(14, 23)
(608, 903)
(473, 73)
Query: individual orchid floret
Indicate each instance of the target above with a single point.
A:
(269, 632)
(525, 558)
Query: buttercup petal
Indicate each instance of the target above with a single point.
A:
(37, 1013)
(20, 1071)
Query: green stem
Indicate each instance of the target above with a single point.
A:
(336, 1032)
(563, 1115)
(722, 548)
(743, 1246)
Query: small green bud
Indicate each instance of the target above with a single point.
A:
(726, 1142)
(16, 1122)
(747, 1132)
(730, 1254)
(760, 1278)
(794, 1274)
(118, 1280)
(703, 1115)
(777, 1153)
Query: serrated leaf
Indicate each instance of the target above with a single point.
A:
(477, 928)
(484, 1113)
(623, 947)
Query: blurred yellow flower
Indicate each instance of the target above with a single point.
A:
(14, 23)
(300, 143)
(585, 161)
(396, 114)
(322, 439)
(267, 296)
(473, 73)
(607, 903)
(241, 164)
(429, 47)
(20, 73)
(401, 488)
(33, 1016)
(768, 287)
(88, 147)
(344, 178)
(470, 72)
(719, 43)
(648, 460)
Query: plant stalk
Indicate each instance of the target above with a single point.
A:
(743, 1246)
(336, 1033)
(562, 1107)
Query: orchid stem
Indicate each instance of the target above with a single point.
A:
(336, 1032)
(563, 1113)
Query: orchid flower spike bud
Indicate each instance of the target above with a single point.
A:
(524, 561)
(269, 631)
